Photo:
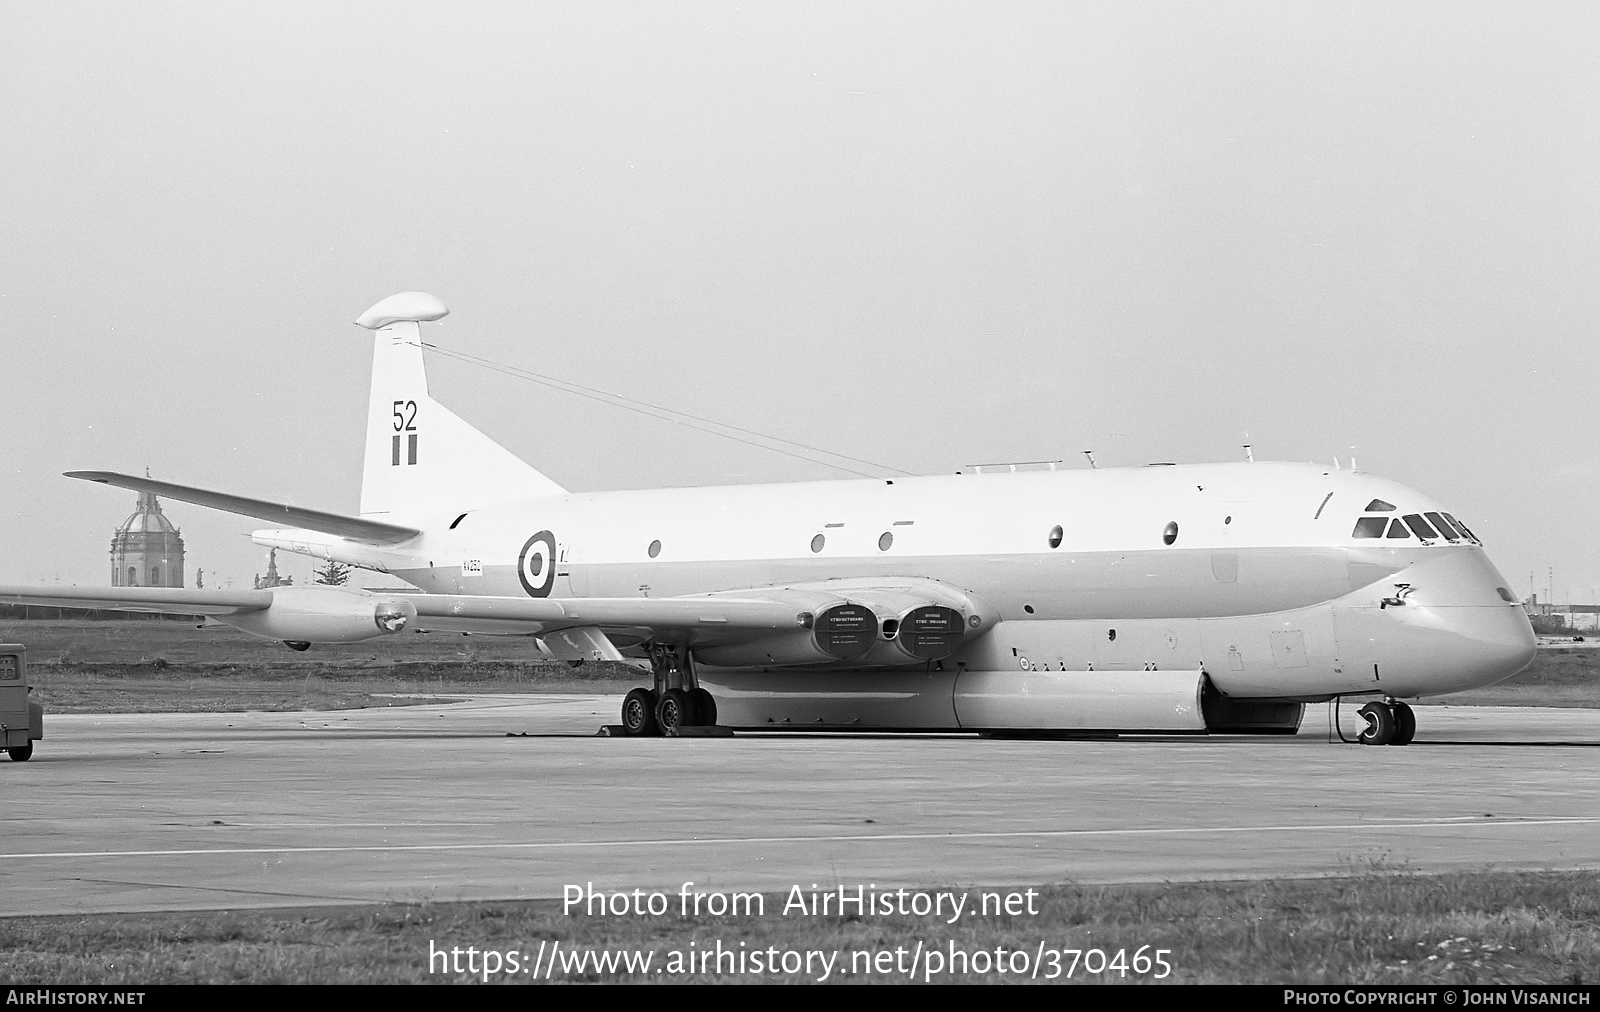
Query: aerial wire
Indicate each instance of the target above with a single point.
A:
(669, 414)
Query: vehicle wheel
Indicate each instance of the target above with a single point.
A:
(639, 713)
(1380, 724)
(705, 707)
(1405, 725)
(674, 711)
(21, 753)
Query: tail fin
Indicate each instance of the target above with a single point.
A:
(420, 457)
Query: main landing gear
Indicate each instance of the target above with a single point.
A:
(676, 702)
(1387, 723)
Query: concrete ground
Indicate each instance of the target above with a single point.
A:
(511, 797)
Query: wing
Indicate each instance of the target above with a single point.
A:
(900, 622)
(369, 532)
(318, 614)
(159, 600)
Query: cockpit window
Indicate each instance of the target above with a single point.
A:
(1398, 529)
(1379, 506)
(1420, 527)
(1463, 528)
(1369, 527)
(1444, 526)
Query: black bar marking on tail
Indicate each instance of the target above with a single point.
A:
(394, 455)
(411, 448)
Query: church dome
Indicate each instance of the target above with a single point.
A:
(147, 551)
(148, 518)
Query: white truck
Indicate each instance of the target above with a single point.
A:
(21, 719)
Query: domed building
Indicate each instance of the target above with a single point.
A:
(147, 551)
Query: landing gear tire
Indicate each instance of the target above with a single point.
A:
(21, 753)
(1380, 724)
(674, 711)
(639, 713)
(705, 707)
(1405, 725)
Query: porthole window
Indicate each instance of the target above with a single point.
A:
(1170, 535)
(655, 549)
(1055, 536)
(1227, 520)
(817, 543)
(1028, 608)
(884, 541)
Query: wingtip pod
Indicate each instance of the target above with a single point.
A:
(406, 307)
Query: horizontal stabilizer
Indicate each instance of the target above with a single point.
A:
(369, 532)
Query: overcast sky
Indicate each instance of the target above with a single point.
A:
(924, 234)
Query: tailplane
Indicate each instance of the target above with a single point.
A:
(420, 457)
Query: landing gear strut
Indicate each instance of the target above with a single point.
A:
(677, 700)
(1390, 722)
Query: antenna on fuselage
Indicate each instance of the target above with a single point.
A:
(1090, 455)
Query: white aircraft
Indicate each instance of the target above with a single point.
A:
(1193, 598)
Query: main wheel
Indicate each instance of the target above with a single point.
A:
(1405, 725)
(705, 707)
(639, 713)
(21, 753)
(1380, 724)
(674, 711)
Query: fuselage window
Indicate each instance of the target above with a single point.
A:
(817, 543)
(1398, 529)
(1170, 534)
(885, 541)
(1370, 527)
(655, 549)
(1420, 527)
(1379, 506)
(1444, 526)
(1055, 536)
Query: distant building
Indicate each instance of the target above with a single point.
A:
(147, 551)
(1577, 617)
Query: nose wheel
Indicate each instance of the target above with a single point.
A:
(1387, 724)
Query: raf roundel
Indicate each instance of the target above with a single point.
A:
(536, 565)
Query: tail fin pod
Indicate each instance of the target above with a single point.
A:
(420, 457)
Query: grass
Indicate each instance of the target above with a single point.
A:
(1557, 677)
(1369, 928)
(79, 666)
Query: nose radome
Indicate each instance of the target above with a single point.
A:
(1498, 641)
(1458, 631)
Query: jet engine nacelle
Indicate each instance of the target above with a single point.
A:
(325, 615)
(838, 632)
(867, 625)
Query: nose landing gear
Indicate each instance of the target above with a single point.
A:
(1387, 723)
